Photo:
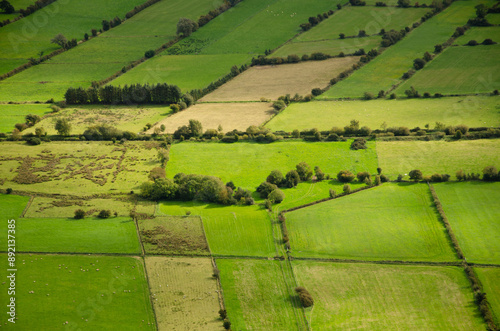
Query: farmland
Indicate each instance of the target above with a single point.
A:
(13, 205)
(12, 114)
(489, 278)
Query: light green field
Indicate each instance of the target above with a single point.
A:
(489, 279)
(473, 212)
(457, 71)
(249, 164)
(398, 157)
(12, 206)
(12, 114)
(479, 34)
(231, 230)
(391, 222)
(493, 18)
(82, 292)
(472, 111)
(255, 295)
(350, 20)
(387, 69)
(383, 297)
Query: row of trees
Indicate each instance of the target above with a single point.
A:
(315, 20)
(490, 174)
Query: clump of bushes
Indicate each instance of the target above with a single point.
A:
(305, 297)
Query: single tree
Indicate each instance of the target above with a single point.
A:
(185, 26)
(60, 40)
(416, 175)
(304, 171)
(63, 127)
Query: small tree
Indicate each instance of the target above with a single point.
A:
(276, 196)
(60, 40)
(7, 7)
(418, 63)
(196, 128)
(223, 313)
(79, 214)
(304, 296)
(416, 175)
(346, 188)
(185, 26)
(345, 176)
(490, 174)
(332, 193)
(265, 188)
(104, 213)
(292, 178)
(149, 54)
(276, 178)
(63, 127)
(320, 175)
(40, 132)
(304, 171)
(378, 180)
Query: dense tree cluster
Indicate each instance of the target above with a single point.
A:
(305, 297)
(6, 7)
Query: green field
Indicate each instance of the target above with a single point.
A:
(386, 70)
(457, 71)
(473, 212)
(472, 111)
(398, 157)
(391, 222)
(383, 297)
(12, 206)
(489, 279)
(255, 295)
(493, 18)
(479, 34)
(12, 114)
(249, 164)
(61, 292)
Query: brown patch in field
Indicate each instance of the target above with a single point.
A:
(231, 116)
(273, 81)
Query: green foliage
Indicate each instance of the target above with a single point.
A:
(195, 128)
(34, 141)
(186, 26)
(63, 127)
(149, 54)
(265, 188)
(161, 188)
(105, 213)
(304, 171)
(304, 296)
(359, 143)
(345, 176)
(292, 178)
(276, 178)
(276, 196)
(416, 175)
(79, 214)
(320, 175)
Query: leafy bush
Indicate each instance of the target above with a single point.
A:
(104, 213)
(79, 214)
(359, 143)
(304, 171)
(276, 196)
(292, 178)
(304, 296)
(276, 178)
(265, 188)
(345, 176)
(416, 175)
(34, 141)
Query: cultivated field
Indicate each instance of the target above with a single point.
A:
(273, 81)
(323, 115)
(12, 114)
(379, 297)
(489, 279)
(184, 293)
(472, 210)
(230, 116)
(404, 227)
(398, 157)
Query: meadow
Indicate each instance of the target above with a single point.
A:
(57, 292)
(489, 279)
(12, 114)
(479, 34)
(493, 18)
(472, 211)
(391, 222)
(323, 115)
(256, 297)
(378, 297)
(184, 292)
(12, 206)
(401, 157)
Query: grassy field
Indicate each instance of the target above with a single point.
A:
(81, 292)
(12, 114)
(404, 227)
(489, 279)
(472, 111)
(231, 116)
(387, 69)
(12, 206)
(474, 215)
(93, 167)
(479, 34)
(184, 302)
(249, 164)
(255, 295)
(173, 235)
(398, 157)
(456, 71)
(493, 18)
(379, 297)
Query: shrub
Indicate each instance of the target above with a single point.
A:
(418, 63)
(472, 43)
(359, 143)
(265, 188)
(341, 36)
(490, 174)
(304, 296)
(227, 324)
(320, 175)
(368, 96)
(346, 189)
(438, 48)
(292, 178)
(488, 42)
(415, 175)
(79, 214)
(361, 176)
(304, 171)
(223, 313)
(104, 214)
(276, 178)
(34, 141)
(316, 91)
(345, 176)
(276, 196)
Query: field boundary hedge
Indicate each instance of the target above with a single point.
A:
(28, 11)
(28, 205)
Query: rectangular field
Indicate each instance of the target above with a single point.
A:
(62, 292)
(489, 279)
(12, 114)
(184, 292)
(12, 206)
(384, 297)
(401, 157)
(404, 227)
(474, 214)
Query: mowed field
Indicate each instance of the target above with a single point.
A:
(489, 279)
(59, 292)
(388, 297)
(231, 116)
(391, 222)
(184, 293)
(255, 295)
(323, 115)
(12, 114)
(273, 81)
(474, 214)
(398, 157)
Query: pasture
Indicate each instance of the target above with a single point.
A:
(471, 111)
(12, 206)
(398, 157)
(272, 81)
(489, 279)
(379, 297)
(255, 295)
(12, 114)
(472, 210)
(173, 235)
(493, 18)
(457, 71)
(231, 116)
(391, 222)
(184, 293)
(57, 292)
(479, 34)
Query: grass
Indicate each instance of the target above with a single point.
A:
(230, 230)
(173, 235)
(12, 114)
(184, 303)
(88, 292)
(398, 157)
(249, 164)
(489, 279)
(493, 18)
(472, 209)
(404, 227)
(455, 71)
(472, 111)
(479, 34)
(12, 206)
(255, 295)
(379, 297)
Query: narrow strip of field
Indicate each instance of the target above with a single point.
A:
(12, 114)
(489, 279)
(398, 157)
(479, 34)
(473, 212)
(381, 297)
(184, 293)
